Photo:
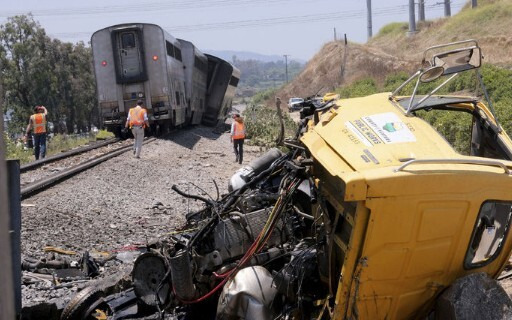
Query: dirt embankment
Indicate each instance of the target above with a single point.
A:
(392, 50)
(330, 69)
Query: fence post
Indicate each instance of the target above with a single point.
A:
(13, 169)
(7, 309)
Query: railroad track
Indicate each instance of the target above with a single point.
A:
(38, 163)
(32, 188)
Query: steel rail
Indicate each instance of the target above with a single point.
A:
(62, 155)
(42, 184)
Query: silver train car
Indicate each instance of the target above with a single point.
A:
(142, 61)
(222, 82)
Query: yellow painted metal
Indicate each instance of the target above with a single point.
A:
(416, 243)
(348, 283)
(406, 237)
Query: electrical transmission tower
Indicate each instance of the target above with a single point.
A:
(369, 11)
(421, 10)
(447, 8)
(412, 19)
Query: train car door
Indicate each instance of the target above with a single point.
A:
(129, 49)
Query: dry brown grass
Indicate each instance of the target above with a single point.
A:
(490, 24)
(323, 73)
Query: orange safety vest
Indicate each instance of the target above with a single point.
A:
(239, 131)
(137, 117)
(39, 123)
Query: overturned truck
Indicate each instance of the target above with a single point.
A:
(371, 214)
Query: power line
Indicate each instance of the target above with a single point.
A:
(157, 6)
(313, 18)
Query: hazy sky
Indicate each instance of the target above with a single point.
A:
(295, 27)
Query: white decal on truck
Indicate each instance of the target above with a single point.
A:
(389, 128)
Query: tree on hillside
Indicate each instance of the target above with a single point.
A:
(38, 70)
(263, 75)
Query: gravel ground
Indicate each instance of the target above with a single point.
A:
(125, 201)
(59, 165)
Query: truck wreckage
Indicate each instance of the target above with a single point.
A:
(371, 214)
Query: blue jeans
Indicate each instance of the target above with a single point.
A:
(39, 145)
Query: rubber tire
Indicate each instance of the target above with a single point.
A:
(80, 303)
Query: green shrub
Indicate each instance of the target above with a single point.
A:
(262, 125)
(393, 81)
(263, 96)
(454, 126)
(359, 88)
(16, 150)
(393, 29)
(104, 134)
(504, 111)
(62, 142)
(54, 145)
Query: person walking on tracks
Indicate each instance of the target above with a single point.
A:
(238, 137)
(137, 120)
(37, 123)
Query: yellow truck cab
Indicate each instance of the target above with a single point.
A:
(371, 214)
(410, 215)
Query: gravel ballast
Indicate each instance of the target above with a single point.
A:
(124, 202)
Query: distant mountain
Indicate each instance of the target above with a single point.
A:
(245, 55)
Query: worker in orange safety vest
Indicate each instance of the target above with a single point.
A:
(137, 120)
(37, 123)
(238, 137)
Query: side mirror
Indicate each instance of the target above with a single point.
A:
(458, 60)
(431, 74)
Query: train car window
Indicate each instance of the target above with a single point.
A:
(177, 98)
(233, 81)
(491, 228)
(170, 49)
(177, 53)
(200, 65)
(128, 40)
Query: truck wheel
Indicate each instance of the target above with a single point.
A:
(77, 308)
(475, 296)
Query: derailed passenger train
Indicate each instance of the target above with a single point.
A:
(178, 83)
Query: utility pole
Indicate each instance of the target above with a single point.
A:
(369, 11)
(412, 19)
(335, 34)
(473, 4)
(286, 65)
(421, 10)
(447, 8)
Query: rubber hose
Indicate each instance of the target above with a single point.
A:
(181, 275)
